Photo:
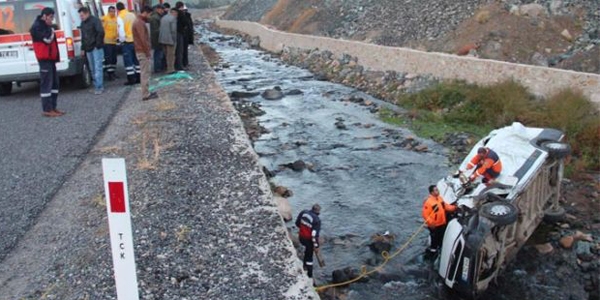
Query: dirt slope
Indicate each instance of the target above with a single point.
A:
(556, 33)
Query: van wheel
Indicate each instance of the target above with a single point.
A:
(554, 215)
(83, 80)
(5, 88)
(499, 212)
(557, 150)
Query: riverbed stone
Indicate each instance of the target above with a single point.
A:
(544, 248)
(566, 242)
(273, 94)
(584, 251)
(241, 94)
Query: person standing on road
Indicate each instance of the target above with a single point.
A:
(92, 46)
(168, 38)
(310, 226)
(143, 50)
(125, 21)
(434, 214)
(111, 35)
(157, 49)
(488, 165)
(45, 47)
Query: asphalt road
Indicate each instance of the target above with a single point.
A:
(37, 154)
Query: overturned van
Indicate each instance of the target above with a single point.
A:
(496, 220)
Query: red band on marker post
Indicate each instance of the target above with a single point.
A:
(116, 192)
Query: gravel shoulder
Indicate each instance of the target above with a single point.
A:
(205, 224)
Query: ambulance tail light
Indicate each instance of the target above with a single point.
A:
(70, 48)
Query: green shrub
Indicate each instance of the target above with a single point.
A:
(459, 106)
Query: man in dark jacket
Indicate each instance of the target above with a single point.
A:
(189, 35)
(182, 29)
(92, 45)
(158, 54)
(45, 47)
(309, 225)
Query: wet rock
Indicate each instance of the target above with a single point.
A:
(421, 148)
(346, 274)
(267, 172)
(294, 92)
(273, 94)
(283, 191)
(297, 166)
(544, 248)
(340, 125)
(566, 242)
(381, 242)
(240, 94)
(580, 236)
(584, 251)
(284, 208)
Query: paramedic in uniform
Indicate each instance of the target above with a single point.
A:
(45, 47)
(111, 34)
(310, 225)
(488, 165)
(125, 21)
(435, 215)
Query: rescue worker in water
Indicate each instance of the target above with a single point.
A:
(488, 165)
(310, 225)
(435, 213)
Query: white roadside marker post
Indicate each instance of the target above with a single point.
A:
(119, 223)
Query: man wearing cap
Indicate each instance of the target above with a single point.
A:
(45, 47)
(309, 226)
(158, 53)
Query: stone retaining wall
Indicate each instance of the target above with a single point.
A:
(540, 80)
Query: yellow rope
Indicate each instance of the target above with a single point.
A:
(386, 257)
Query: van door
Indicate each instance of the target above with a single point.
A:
(12, 48)
(30, 9)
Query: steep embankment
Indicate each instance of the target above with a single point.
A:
(559, 33)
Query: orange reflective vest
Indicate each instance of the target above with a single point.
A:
(490, 164)
(434, 211)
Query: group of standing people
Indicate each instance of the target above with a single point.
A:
(165, 44)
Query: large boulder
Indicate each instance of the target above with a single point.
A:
(381, 242)
(584, 251)
(273, 94)
(240, 94)
(343, 275)
(284, 208)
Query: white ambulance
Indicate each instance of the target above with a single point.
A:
(17, 58)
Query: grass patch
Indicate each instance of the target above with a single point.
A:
(457, 106)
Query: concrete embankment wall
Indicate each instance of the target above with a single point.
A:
(540, 80)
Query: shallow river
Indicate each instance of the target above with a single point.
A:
(365, 181)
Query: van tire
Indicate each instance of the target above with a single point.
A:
(500, 212)
(6, 88)
(554, 215)
(84, 79)
(556, 150)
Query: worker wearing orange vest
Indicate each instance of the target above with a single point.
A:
(435, 215)
(488, 165)
(111, 35)
(125, 21)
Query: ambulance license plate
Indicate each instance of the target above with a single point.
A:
(9, 54)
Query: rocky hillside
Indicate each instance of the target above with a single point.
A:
(558, 33)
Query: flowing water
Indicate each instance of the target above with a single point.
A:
(364, 179)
